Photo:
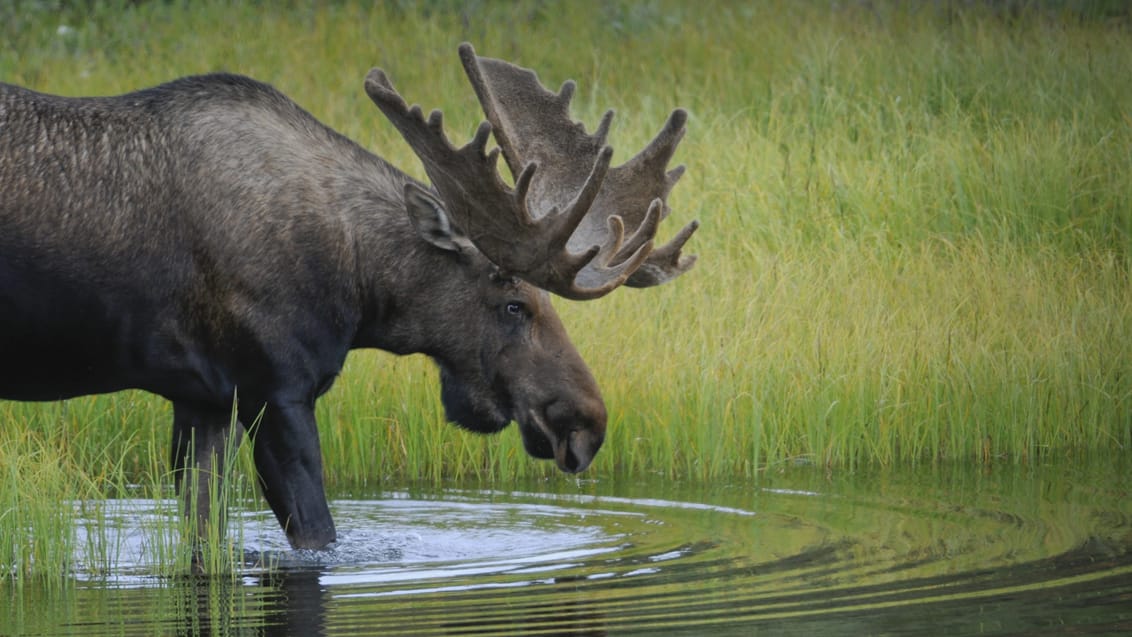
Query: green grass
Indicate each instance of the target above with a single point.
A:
(916, 241)
(57, 477)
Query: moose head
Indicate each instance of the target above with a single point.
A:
(571, 225)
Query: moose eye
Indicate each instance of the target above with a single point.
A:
(515, 309)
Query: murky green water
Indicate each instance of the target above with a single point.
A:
(954, 551)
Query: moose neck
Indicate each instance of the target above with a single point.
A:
(399, 276)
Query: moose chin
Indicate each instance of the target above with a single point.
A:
(208, 238)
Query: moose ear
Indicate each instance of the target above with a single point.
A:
(431, 220)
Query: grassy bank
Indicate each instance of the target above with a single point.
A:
(917, 226)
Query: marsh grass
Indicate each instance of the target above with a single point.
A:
(917, 224)
(61, 482)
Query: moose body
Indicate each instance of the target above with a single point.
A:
(208, 238)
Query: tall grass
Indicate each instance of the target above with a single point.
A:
(917, 227)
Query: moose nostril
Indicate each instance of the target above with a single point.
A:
(571, 463)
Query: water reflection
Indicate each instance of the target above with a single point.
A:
(956, 551)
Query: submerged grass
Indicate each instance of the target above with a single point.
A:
(917, 227)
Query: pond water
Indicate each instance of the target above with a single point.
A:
(956, 550)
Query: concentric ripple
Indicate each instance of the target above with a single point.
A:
(956, 552)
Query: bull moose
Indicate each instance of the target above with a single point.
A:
(208, 236)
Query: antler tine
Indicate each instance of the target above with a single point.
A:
(666, 262)
(533, 126)
(661, 149)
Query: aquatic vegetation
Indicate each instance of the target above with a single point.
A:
(915, 248)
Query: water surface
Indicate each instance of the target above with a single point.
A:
(960, 550)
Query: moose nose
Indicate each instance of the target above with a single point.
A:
(577, 432)
(577, 450)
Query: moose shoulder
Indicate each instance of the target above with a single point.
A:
(208, 236)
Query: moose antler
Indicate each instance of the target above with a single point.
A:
(563, 226)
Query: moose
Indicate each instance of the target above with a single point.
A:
(208, 240)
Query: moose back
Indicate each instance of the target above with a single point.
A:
(208, 237)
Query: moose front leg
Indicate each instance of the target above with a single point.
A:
(199, 437)
(289, 463)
